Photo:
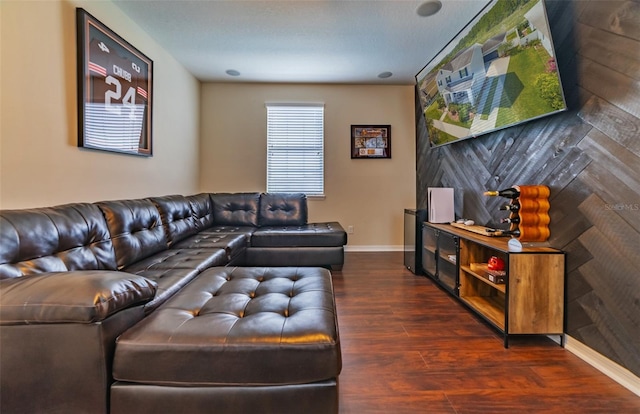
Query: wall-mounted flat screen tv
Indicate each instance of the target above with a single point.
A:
(498, 71)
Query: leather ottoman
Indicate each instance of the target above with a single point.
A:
(236, 339)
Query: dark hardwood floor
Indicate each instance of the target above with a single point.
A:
(410, 347)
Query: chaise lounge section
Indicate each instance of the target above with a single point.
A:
(240, 339)
(73, 278)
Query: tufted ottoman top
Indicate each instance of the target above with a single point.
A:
(241, 325)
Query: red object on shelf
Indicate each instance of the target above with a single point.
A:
(495, 263)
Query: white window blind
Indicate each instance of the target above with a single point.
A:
(295, 148)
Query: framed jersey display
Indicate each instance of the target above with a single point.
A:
(114, 91)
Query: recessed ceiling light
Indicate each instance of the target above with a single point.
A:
(385, 75)
(232, 72)
(429, 8)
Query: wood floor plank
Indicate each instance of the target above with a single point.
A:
(410, 347)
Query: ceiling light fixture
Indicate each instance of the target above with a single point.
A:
(232, 72)
(385, 75)
(429, 8)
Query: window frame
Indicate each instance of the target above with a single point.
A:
(302, 156)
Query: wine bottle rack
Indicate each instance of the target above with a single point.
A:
(531, 216)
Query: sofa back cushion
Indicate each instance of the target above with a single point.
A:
(136, 229)
(54, 239)
(202, 210)
(283, 209)
(237, 209)
(177, 217)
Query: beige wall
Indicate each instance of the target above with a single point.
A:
(368, 194)
(40, 164)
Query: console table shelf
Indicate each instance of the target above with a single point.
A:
(491, 308)
(502, 288)
(531, 299)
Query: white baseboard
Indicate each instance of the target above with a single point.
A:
(603, 364)
(372, 248)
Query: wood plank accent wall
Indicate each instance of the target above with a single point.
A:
(590, 158)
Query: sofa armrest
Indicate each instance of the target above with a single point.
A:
(71, 297)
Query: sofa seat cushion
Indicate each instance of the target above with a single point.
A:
(71, 297)
(198, 259)
(233, 244)
(169, 281)
(174, 268)
(247, 231)
(309, 235)
(237, 325)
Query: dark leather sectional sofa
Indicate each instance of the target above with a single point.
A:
(202, 303)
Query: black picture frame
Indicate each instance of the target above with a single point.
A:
(115, 91)
(370, 141)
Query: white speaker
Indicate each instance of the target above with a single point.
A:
(440, 203)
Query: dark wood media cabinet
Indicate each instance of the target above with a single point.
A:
(530, 302)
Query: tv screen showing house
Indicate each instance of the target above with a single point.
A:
(498, 71)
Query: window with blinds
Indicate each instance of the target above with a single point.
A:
(295, 148)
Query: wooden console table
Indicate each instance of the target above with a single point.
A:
(529, 302)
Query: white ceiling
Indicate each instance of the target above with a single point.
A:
(319, 41)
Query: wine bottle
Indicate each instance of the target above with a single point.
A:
(513, 220)
(511, 207)
(511, 192)
(529, 234)
(515, 232)
(522, 205)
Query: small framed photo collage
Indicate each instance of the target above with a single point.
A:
(370, 141)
